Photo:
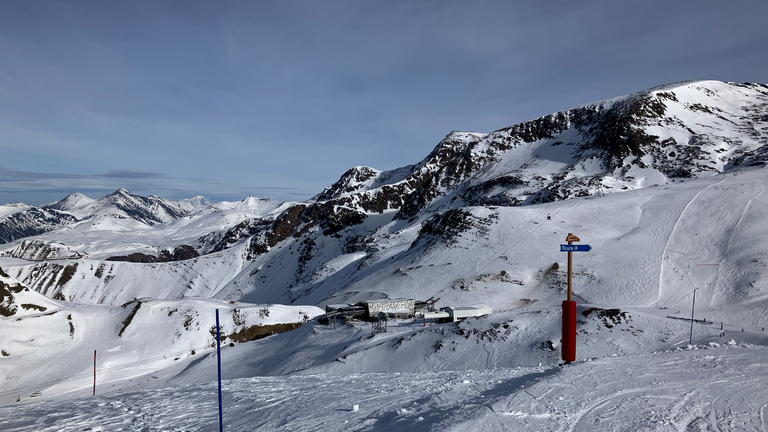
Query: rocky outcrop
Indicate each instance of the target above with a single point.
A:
(8, 305)
(179, 253)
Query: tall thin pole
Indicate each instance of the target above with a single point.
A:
(94, 372)
(690, 340)
(218, 357)
(570, 269)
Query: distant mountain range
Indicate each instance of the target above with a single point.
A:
(666, 134)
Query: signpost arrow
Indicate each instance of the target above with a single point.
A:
(575, 248)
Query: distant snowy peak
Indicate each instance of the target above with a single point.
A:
(197, 202)
(73, 202)
(17, 222)
(149, 210)
(256, 207)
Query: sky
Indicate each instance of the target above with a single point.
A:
(277, 99)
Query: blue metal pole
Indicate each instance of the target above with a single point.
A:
(690, 341)
(218, 357)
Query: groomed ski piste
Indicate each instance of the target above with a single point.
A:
(635, 368)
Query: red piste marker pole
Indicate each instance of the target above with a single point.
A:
(569, 312)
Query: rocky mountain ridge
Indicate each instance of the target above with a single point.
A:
(672, 133)
(668, 133)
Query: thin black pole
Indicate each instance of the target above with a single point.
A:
(690, 341)
(218, 357)
(94, 372)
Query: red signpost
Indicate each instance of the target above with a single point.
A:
(569, 309)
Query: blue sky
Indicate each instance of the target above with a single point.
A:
(277, 99)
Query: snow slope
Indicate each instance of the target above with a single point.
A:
(707, 388)
(48, 345)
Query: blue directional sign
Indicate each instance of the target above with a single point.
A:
(575, 248)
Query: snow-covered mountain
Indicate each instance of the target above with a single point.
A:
(666, 185)
(667, 134)
(121, 204)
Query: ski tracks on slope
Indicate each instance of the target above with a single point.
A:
(665, 254)
(693, 254)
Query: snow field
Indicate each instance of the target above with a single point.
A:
(703, 388)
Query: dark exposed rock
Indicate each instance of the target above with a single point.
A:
(30, 306)
(447, 226)
(137, 257)
(285, 224)
(179, 253)
(331, 217)
(351, 181)
(615, 133)
(67, 274)
(230, 237)
(280, 229)
(478, 194)
(7, 291)
(256, 332)
(544, 127)
(129, 318)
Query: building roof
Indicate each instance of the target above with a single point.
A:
(389, 300)
(458, 308)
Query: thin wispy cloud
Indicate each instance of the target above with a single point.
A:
(133, 174)
(289, 95)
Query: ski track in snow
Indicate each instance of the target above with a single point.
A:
(668, 245)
